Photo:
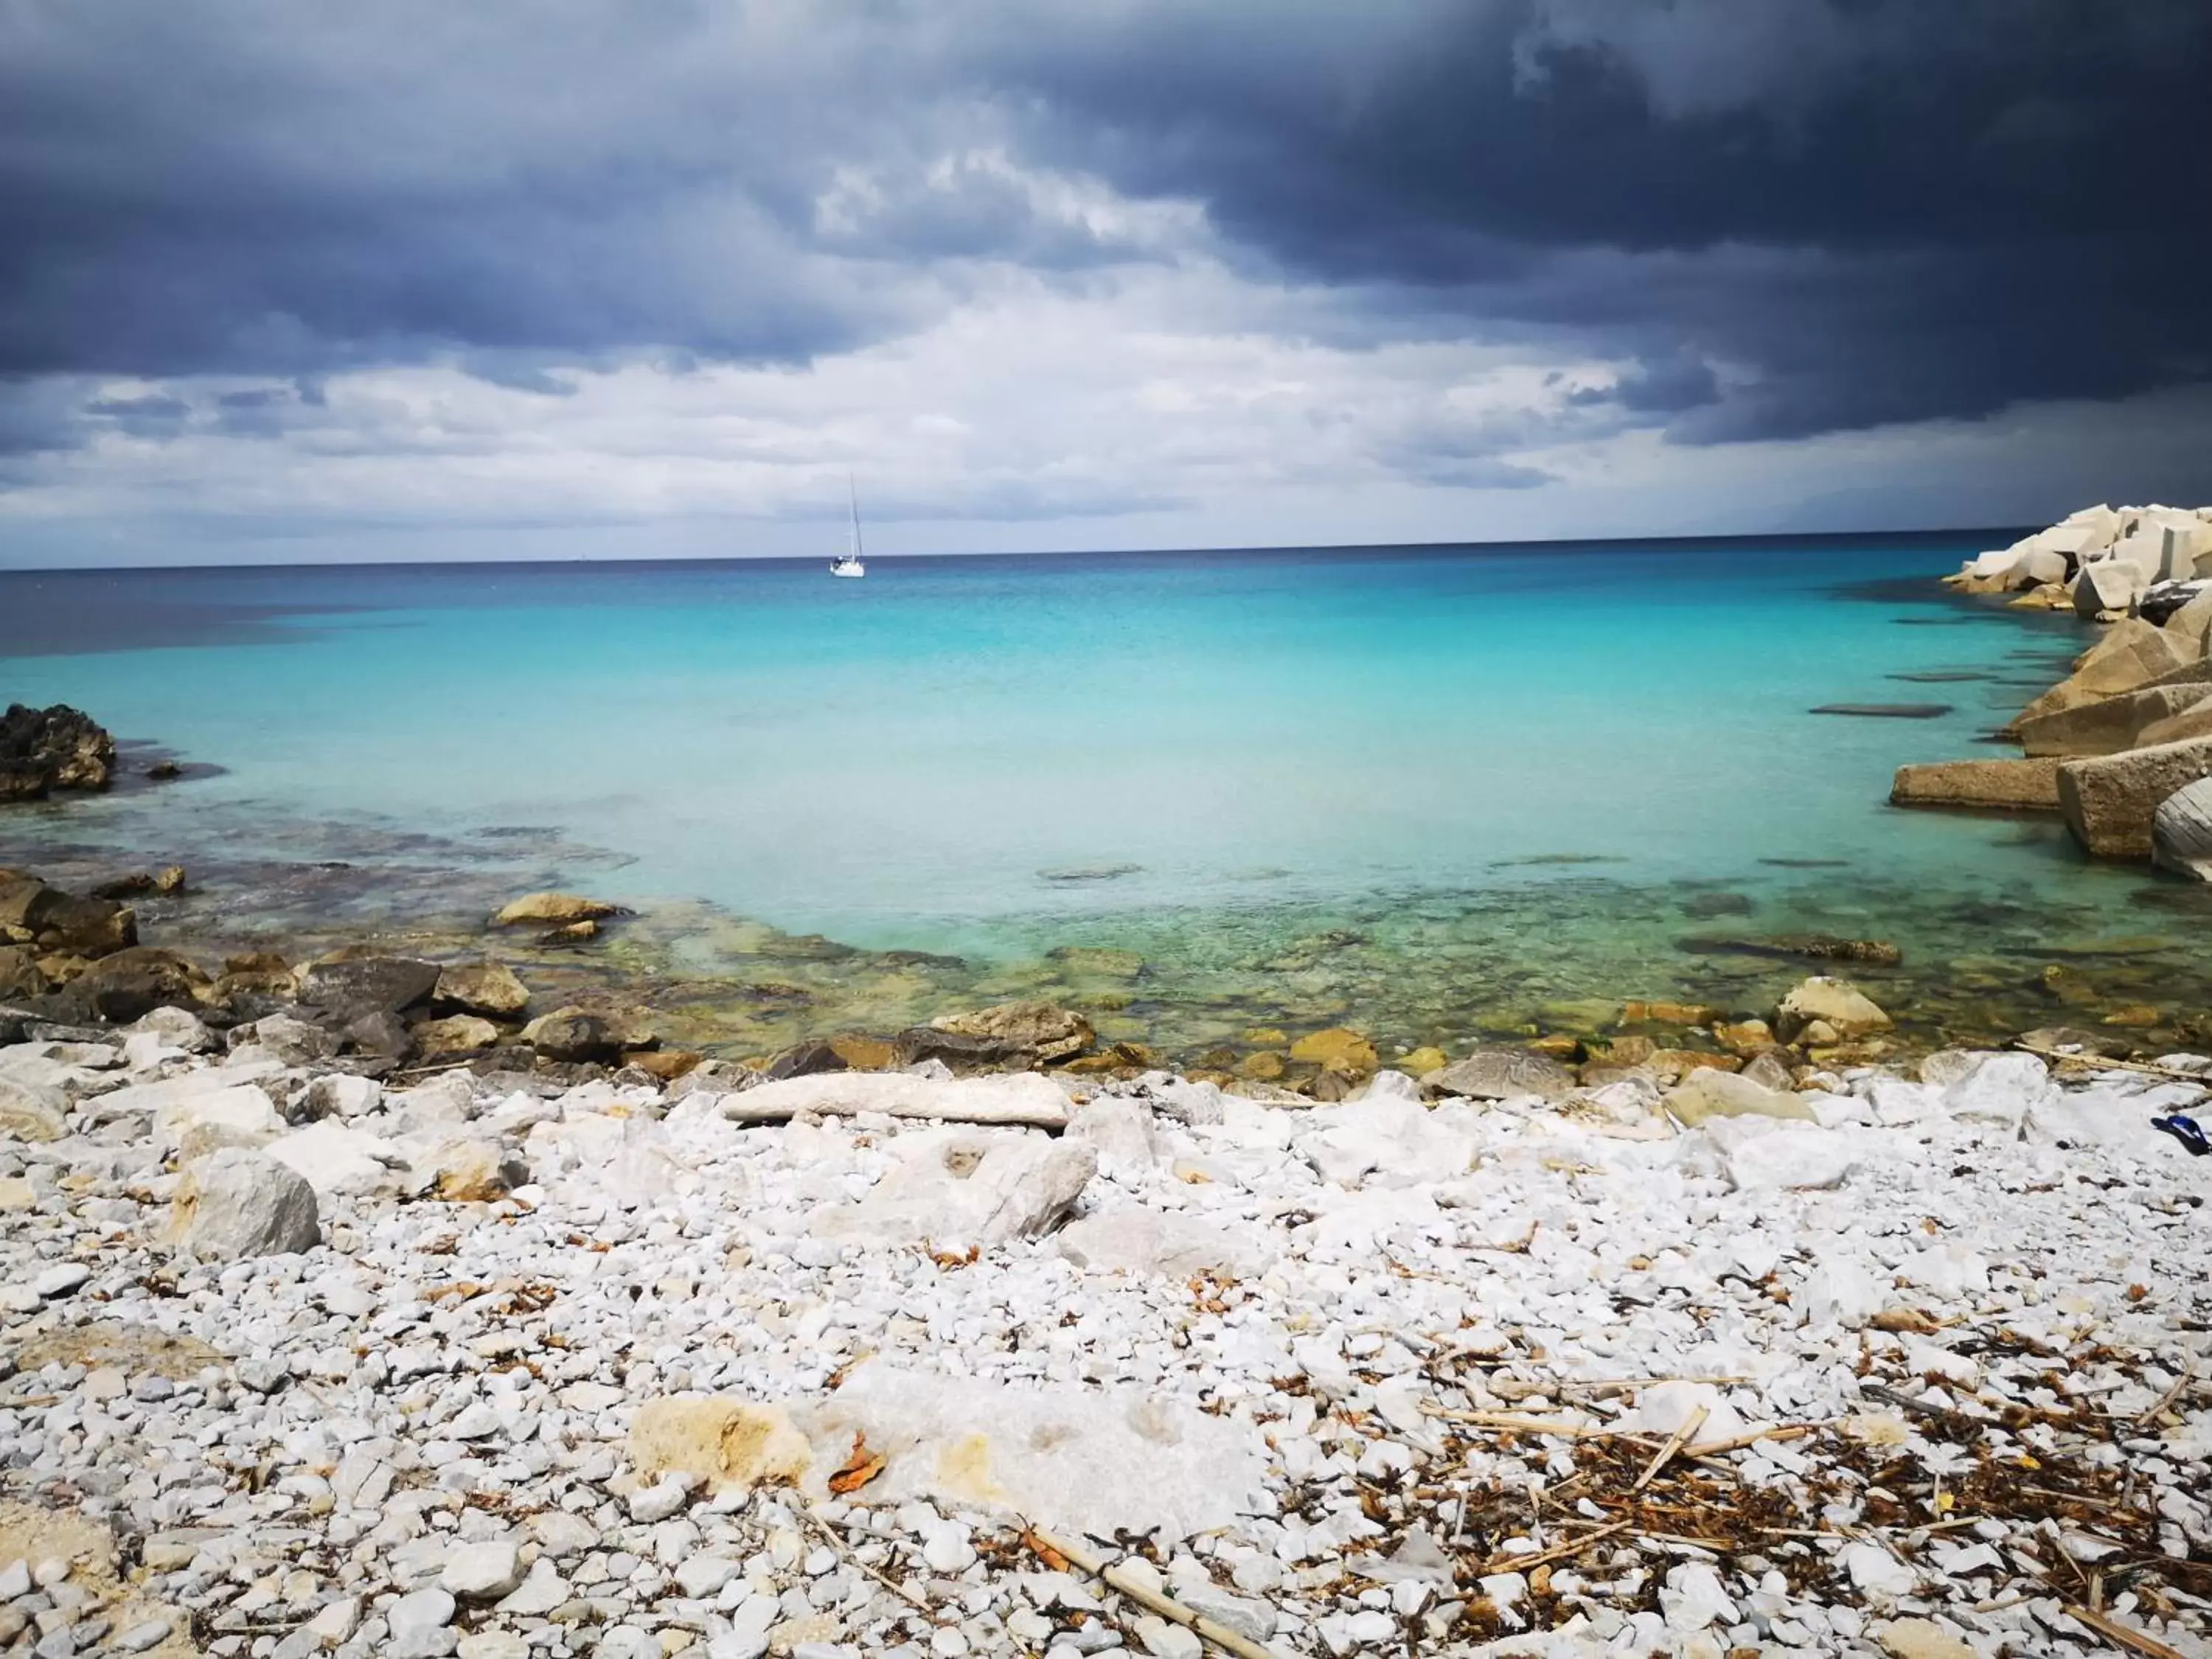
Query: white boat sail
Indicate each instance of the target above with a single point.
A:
(850, 565)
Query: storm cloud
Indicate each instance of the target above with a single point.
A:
(1716, 224)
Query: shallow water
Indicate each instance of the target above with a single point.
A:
(1430, 791)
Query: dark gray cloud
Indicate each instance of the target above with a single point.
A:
(1877, 209)
(1793, 216)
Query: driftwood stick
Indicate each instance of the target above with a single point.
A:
(1556, 1553)
(1514, 1421)
(2119, 1635)
(2099, 1063)
(1115, 1574)
(2180, 1387)
(836, 1541)
(1776, 1431)
(1675, 1441)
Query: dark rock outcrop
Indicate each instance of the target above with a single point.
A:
(43, 749)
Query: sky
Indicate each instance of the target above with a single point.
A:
(551, 278)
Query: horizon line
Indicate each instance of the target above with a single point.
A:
(1525, 543)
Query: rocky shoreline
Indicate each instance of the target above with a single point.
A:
(299, 1360)
(2122, 747)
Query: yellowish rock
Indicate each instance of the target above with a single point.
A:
(734, 1445)
(559, 908)
(16, 1195)
(458, 1034)
(1422, 1062)
(1338, 1049)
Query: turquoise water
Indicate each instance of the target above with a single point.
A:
(979, 755)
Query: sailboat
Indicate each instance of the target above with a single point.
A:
(850, 565)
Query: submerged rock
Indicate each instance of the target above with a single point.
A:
(557, 909)
(1336, 1049)
(1031, 1033)
(43, 749)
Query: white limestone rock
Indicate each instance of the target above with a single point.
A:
(235, 1203)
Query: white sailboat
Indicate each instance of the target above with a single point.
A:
(850, 565)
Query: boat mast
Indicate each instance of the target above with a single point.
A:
(854, 500)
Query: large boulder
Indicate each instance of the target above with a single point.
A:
(2181, 831)
(1997, 786)
(232, 1204)
(1024, 1033)
(30, 1112)
(355, 984)
(60, 923)
(43, 749)
(2107, 586)
(2194, 720)
(215, 1114)
(1502, 1074)
(2110, 801)
(2107, 724)
(558, 909)
(489, 990)
(2191, 624)
(1707, 1094)
(581, 1033)
(1836, 1003)
(967, 1187)
(132, 982)
(2133, 654)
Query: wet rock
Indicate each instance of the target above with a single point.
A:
(1029, 1033)
(489, 990)
(559, 910)
(732, 1445)
(55, 921)
(455, 1034)
(1993, 786)
(20, 973)
(234, 1204)
(2110, 802)
(168, 880)
(1502, 1074)
(130, 984)
(1813, 947)
(2181, 831)
(1337, 1049)
(2132, 654)
(43, 749)
(573, 1034)
(1835, 1002)
(368, 984)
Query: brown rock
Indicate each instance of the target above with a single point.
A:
(1668, 1014)
(666, 1065)
(58, 921)
(1681, 1062)
(2137, 1015)
(2193, 721)
(1032, 1033)
(20, 975)
(43, 749)
(1995, 786)
(2132, 653)
(1338, 1049)
(1629, 1050)
(574, 933)
(2109, 801)
(864, 1053)
(559, 908)
(456, 1033)
(125, 984)
(1564, 1048)
(1744, 1038)
(488, 987)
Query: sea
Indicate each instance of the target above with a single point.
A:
(1435, 792)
